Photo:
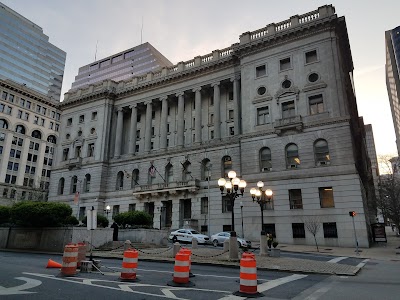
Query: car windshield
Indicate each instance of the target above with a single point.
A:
(194, 232)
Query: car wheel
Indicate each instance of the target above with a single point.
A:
(215, 243)
(174, 239)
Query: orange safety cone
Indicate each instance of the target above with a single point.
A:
(129, 265)
(248, 278)
(69, 260)
(181, 271)
(248, 254)
(188, 252)
(53, 264)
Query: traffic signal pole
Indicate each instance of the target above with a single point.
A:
(352, 214)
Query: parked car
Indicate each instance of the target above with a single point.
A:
(187, 235)
(219, 239)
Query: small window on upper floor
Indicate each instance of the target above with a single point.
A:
(292, 156)
(288, 109)
(316, 104)
(311, 56)
(211, 100)
(326, 197)
(261, 71)
(69, 122)
(230, 96)
(263, 115)
(226, 166)
(265, 160)
(321, 152)
(285, 64)
(81, 118)
(231, 114)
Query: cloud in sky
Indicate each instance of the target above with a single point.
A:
(183, 29)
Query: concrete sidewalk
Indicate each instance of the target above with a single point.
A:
(216, 256)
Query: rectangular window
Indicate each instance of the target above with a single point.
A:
(295, 199)
(137, 148)
(115, 210)
(22, 102)
(204, 205)
(288, 109)
(11, 98)
(4, 95)
(263, 115)
(230, 96)
(211, 100)
(82, 213)
(226, 228)
(231, 130)
(261, 71)
(91, 150)
(57, 127)
(26, 117)
(1, 149)
(44, 110)
(65, 153)
(38, 108)
(153, 115)
(81, 118)
(132, 207)
(1, 107)
(226, 204)
(285, 64)
(316, 104)
(270, 228)
(298, 231)
(28, 104)
(326, 197)
(69, 122)
(230, 114)
(51, 125)
(8, 110)
(19, 114)
(41, 122)
(212, 134)
(53, 114)
(36, 120)
(152, 131)
(330, 230)
(311, 56)
(94, 115)
(138, 134)
(58, 116)
(2, 136)
(211, 119)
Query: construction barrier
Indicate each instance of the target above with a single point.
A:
(52, 264)
(69, 260)
(248, 278)
(181, 270)
(81, 253)
(248, 255)
(188, 252)
(129, 265)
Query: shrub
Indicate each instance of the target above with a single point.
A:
(275, 244)
(134, 218)
(102, 221)
(71, 220)
(4, 214)
(40, 214)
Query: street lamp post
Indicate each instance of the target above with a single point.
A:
(241, 214)
(234, 188)
(107, 210)
(261, 197)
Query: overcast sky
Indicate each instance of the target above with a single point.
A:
(183, 29)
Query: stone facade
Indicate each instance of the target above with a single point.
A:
(278, 106)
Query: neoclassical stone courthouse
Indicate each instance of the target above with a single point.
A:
(278, 107)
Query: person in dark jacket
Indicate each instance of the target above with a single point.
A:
(115, 232)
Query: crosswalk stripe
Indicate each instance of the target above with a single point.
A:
(363, 263)
(274, 283)
(337, 259)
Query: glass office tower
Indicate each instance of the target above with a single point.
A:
(27, 57)
(392, 40)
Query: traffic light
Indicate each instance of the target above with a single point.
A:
(352, 213)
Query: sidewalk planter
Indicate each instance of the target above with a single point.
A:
(275, 252)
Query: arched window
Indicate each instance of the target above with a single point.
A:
(186, 171)
(205, 169)
(226, 166)
(52, 139)
(265, 160)
(36, 134)
(120, 180)
(20, 129)
(61, 184)
(135, 178)
(292, 156)
(321, 152)
(74, 184)
(3, 124)
(169, 173)
(87, 183)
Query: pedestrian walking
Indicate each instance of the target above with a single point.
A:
(270, 239)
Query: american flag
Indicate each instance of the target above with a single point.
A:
(76, 198)
(152, 171)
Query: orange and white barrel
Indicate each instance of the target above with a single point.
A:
(81, 253)
(248, 255)
(188, 252)
(181, 268)
(69, 260)
(129, 265)
(248, 276)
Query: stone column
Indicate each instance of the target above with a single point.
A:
(181, 117)
(236, 104)
(132, 140)
(197, 125)
(118, 138)
(147, 137)
(217, 110)
(164, 123)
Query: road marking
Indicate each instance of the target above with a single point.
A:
(320, 292)
(232, 297)
(337, 259)
(274, 283)
(362, 264)
(18, 290)
(168, 293)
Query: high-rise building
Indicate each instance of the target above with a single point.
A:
(277, 107)
(27, 56)
(125, 65)
(392, 40)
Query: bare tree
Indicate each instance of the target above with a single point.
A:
(312, 224)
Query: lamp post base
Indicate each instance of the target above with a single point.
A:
(263, 244)
(233, 248)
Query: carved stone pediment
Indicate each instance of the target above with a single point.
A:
(286, 92)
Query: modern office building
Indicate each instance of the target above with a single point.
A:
(125, 65)
(277, 107)
(392, 41)
(29, 126)
(27, 56)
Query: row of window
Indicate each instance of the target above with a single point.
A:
(81, 118)
(74, 185)
(22, 130)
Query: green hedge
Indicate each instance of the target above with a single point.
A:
(134, 218)
(40, 214)
(4, 214)
(102, 221)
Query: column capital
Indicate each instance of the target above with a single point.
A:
(118, 109)
(146, 102)
(133, 106)
(181, 93)
(215, 83)
(236, 77)
(196, 89)
(164, 97)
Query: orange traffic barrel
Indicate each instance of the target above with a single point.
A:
(69, 260)
(181, 271)
(248, 255)
(129, 265)
(248, 278)
(81, 253)
(188, 252)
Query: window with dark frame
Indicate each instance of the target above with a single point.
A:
(316, 104)
(288, 109)
(261, 71)
(226, 204)
(330, 230)
(265, 159)
(326, 197)
(285, 64)
(295, 199)
(311, 56)
(270, 228)
(204, 205)
(321, 152)
(298, 231)
(263, 115)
